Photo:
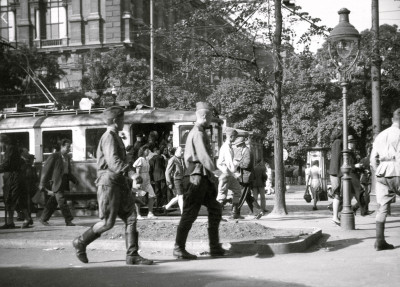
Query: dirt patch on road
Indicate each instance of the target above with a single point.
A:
(228, 231)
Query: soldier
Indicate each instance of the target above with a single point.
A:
(201, 189)
(113, 192)
(385, 161)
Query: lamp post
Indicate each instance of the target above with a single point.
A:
(344, 48)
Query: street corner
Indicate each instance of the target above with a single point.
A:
(297, 240)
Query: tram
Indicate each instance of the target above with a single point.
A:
(40, 131)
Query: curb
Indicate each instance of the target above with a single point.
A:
(249, 247)
(262, 247)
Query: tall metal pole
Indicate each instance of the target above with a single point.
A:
(347, 217)
(151, 56)
(375, 70)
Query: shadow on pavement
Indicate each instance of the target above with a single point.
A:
(142, 276)
(334, 245)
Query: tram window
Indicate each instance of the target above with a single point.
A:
(52, 139)
(21, 140)
(183, 133)
(92, 141)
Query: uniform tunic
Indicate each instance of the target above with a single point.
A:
(113, 191)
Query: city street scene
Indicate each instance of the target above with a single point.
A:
(200, 143)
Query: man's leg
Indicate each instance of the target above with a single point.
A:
(214, 218)
(62, 203)
(383, 196)
(127, 213)
(109, 198)
(49, 208)
(157, 191)
(236, 189)
(192, 200)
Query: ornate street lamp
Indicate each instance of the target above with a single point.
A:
(344, 48)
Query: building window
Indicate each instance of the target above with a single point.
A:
(7, 22)
(55, 20)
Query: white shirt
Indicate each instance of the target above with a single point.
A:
(387, 148)
(225, 162)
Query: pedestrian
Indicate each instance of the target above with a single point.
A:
(257, 180)
(315, 182)
(142, 167)
(365, 178)
(113, 192)
(30, 180)
(307, 173)
(335, 176)
(174, 175)
(228, 179)
(157, 177)
(243, 156)
(13, 190)
(201, 188)
(385, 161)
(268, 183)
(56, 175)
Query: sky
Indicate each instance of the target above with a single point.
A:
(360, 16)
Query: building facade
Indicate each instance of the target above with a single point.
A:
(69, 28)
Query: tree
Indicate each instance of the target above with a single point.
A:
(219, 39)
(15, 64)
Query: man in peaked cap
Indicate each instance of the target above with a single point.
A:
(201, 189)
(114, 195)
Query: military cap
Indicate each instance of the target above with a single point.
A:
(239, 140)
(231, 131)
(202, 106)
(113, 112)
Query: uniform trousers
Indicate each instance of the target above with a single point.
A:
(201, 191)
(386, 189)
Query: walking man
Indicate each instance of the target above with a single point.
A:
(201, 189)
(228, 180)
(113, 192)
(57, 172)
(385, 161)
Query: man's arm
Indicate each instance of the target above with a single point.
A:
(169, 171)
(114, 162)
(47, 171)
(202, 152)
(246, 159)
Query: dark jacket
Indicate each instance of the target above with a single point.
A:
(258, 176)
(336, 158)
(53, 173)
(157, 168)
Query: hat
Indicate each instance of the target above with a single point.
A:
(351, 139)
(231, 131)
(113, 112)
(202, 106)
(239, 140)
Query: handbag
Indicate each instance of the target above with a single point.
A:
(39, 198)
(307, 195)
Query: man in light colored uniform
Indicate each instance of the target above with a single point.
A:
(385, 161)
(228, 180)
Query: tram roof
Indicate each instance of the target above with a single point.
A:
(74, 118)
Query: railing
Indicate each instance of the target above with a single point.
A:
(51, 42)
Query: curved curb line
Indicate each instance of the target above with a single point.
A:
(249, 247)
(261, 247)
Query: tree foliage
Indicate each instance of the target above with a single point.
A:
(15, 64)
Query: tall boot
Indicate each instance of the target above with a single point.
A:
(236, 212)
(380, 243)
(180, 244)
(132, 248)
(82, 241)
(215, 246)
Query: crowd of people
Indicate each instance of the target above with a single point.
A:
(159, 176)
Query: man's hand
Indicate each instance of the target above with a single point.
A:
(170, 186)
